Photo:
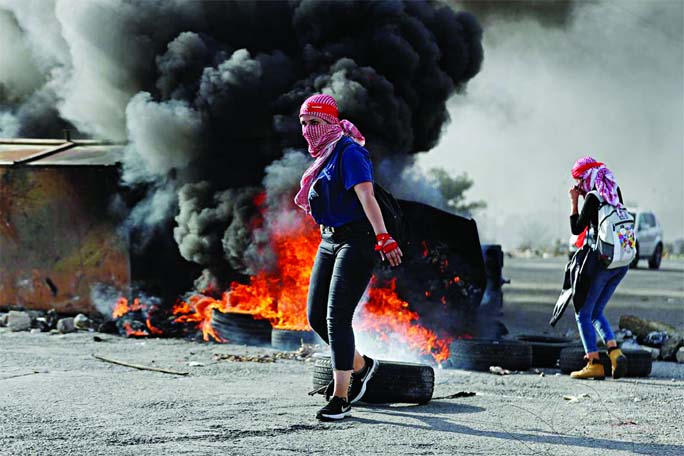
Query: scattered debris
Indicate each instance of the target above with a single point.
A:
(41, 324)
(641, 328)
(668, 351)
(625, 423)
(66, 325)
(305, 352)
(456, 395)
(576, 398)
(51, 318)
(195, 364)
(18, 321)
(138, 366)
(633, 345)
(82, 322)
(656, 338)
(637, 399)
(25, 374)
(498, 370)
(247, 358)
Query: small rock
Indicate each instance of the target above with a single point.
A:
(637, 399)
(66, 325)
(576, 398)
(3, 320)
(35, 331)
(18, 321)
(195, 364)
(680, 355)
(82, 322)
(498, 370)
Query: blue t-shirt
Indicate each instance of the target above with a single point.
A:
(332, 197)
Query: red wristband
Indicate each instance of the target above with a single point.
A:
(385, 243)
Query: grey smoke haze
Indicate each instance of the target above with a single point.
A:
(609, 84)
(201, 94)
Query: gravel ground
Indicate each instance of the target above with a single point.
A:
(56, 399)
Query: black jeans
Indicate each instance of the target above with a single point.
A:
(341, 272)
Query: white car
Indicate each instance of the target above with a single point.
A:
(649, 239)
(649, 234)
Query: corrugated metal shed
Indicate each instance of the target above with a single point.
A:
(59, 153)
(57, 238)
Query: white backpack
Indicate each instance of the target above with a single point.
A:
(616, 237)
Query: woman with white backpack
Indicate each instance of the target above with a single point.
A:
(612, 237)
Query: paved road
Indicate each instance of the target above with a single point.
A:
(535, 285)
(77, 405)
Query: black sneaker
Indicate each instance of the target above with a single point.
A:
(336, 409)
(359, 381)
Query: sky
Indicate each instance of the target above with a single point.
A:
(609, 84)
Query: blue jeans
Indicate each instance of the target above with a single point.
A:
(341, 272)
(590, 316)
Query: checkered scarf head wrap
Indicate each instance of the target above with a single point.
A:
(322, 139)
(595, 175)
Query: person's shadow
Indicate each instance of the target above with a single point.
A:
(436, 415)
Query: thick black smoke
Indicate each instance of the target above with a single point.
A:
(207, 93)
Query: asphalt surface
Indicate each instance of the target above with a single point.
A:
(536, 284)
(57, 399)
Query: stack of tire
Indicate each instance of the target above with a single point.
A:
(394, 382)
(241, 329)
(529, 351)
(481, 354)
(288, 339)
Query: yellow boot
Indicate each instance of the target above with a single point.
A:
(618, 362)
(593, 369)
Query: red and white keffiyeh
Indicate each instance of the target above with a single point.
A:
(322, 139)
(595, 175)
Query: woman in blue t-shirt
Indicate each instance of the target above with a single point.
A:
(337, 190)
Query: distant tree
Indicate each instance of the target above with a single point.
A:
(453, 191)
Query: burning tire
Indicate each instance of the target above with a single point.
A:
(639, 362)
(545, 349)
(474, 354)
(241, 329)
(285, 339)
(394, 382)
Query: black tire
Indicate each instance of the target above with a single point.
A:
(656, 258)
(475, 354)
(241, 329)
(394, 382)
(639, 362)
(285, 339)
(545, 349)
(635, 262)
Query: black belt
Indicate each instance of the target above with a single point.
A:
(347, 228)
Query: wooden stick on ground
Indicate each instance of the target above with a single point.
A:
(138, 366)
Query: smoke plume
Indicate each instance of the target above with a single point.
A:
(207, 101)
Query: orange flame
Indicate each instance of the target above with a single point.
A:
(130, 332)
(199, 309)
(384, 314)
(121, 307)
